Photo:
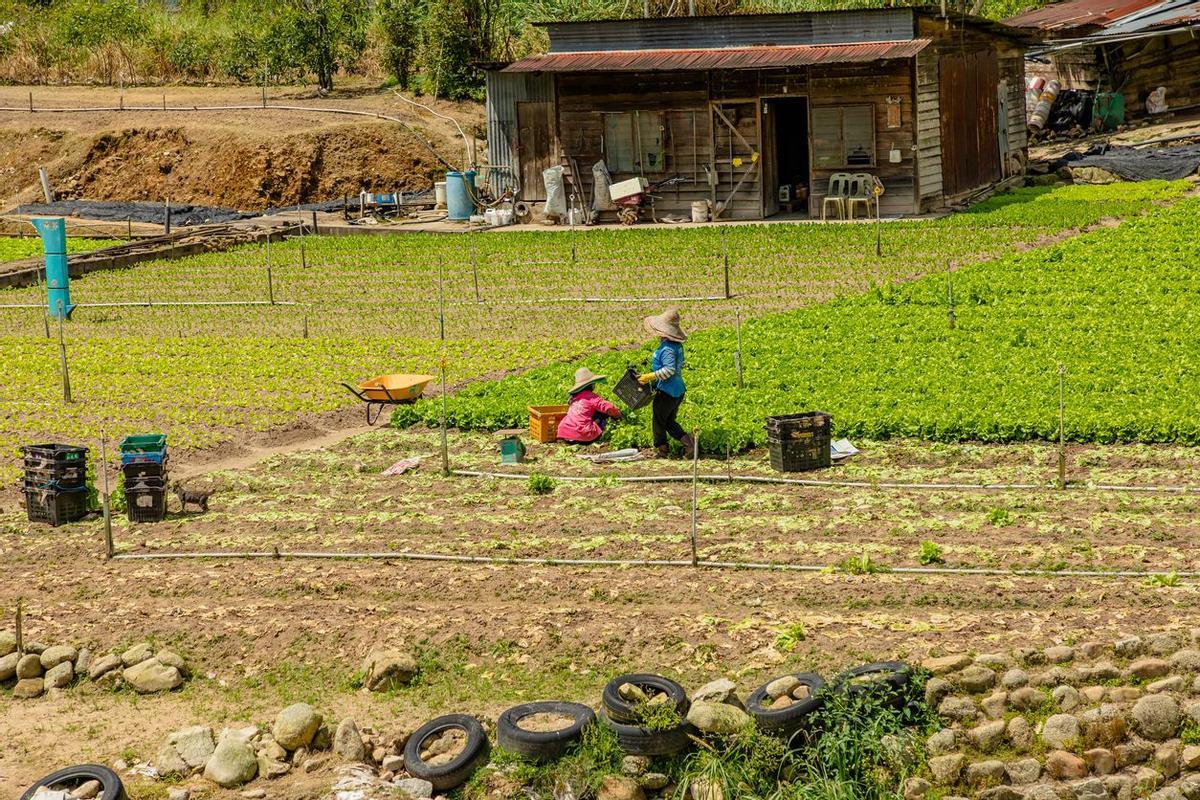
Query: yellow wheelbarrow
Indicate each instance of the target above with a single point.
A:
(388, 390)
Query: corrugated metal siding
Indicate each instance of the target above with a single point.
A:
(504, 91)
(717, 59)
(929, 130)
(675, 33)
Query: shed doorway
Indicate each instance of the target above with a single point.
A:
(786, 160)
(535, 147)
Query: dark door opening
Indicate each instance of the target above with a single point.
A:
(787, 166)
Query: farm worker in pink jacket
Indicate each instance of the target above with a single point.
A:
(587, 413)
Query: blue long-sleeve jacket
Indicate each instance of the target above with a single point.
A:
(667, 366)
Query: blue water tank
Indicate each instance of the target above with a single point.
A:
(460, 194)
(53, 231)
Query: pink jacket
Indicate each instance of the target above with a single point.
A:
(579, 425)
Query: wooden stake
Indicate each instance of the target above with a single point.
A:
(270, 278)
(306, 326)
(1062, 441)
(167, 216)
(737, 357)
(725, 246)
(31, 102)
(107, 500)
(62, 350)
(19, 625)
(303, 257)
(474, 259)
(441, 307)
(445, 438)
(950, 301)
(314, 218)
(695, 490)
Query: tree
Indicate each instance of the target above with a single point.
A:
(400, 26)
(458, 34)
(325, 35)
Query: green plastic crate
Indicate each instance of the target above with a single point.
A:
(144, 443)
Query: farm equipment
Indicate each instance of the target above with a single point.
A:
(628, 196)
(388, 390)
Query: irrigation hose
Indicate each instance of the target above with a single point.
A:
(637, 562)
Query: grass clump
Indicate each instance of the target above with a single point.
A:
(930, 554)
(747, 764)
(577, 774)
(540, 484)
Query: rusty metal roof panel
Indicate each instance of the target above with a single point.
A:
(1078, 14)
(718, 58)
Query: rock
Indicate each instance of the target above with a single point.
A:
(937, 689)
(615, 787)
(946, 664)
(37, 648)
(60, 675)
(721, 690)
(172, 659)
(1102, 727)
(653, 781)
(994, 705)
(296, 725)
(943, 742)
(1024, 771)
(975, 679)
(1146, 781)
(633, 766)
(194, 745)
(1061, 731)
(999, 793)
(168, 763)
(1149, 668)
(83, 662)
(387, 670)
(958, 708)
(314, 763)
(1129, 647)
(102, 666)
(29, 666)
(415, 788)
(1091, 695)
(232, 763)
(1190, 787)
(178, 794)
(1056, 675)
(1190, 757)
(1060, 654)
(28, 688)
(53, 656)
(137, 654)
(1020, 734)
(1030, 656)
(1166, 759)
(781, 687)
(916, 789)
(110, 680)
(1167, 793)
(632, 693)
(1160, 644)
(348, 743)
(1133, 752)
(1065, 697)
(1015, 678)
(1100, 761)
(1123, 694)
(1173, 683)
(985, 774)
(993, 661)
(1104, 671)
(272, 768)
(8, 666)
(86, 790)
(8, 643)
(1027, 699)
(947, 769)
(1156, 717)
(1049, 791)
(1193, 712)
(151, 676)
(254, 794)
(1119, 787)
(704, 789)
(1091, 650)
(987, 737)
(1091, 789)
(1186, 660)
(323, 739)
(1064, 766)
(901, 749)
(717, 718)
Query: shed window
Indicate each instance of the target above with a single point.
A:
(633, 141)
(843, 136)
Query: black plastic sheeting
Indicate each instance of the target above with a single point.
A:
(182, 215)
(1167, 163)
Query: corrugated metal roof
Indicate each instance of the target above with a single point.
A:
(717, 58)
(1077, 14)
(1162, 14)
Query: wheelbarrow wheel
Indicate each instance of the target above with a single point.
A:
(628, 215)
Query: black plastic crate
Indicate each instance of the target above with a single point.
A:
(799, 442)
(145, 505)
(63, 459)
(67, 478)
(632, 393)
(55, 507)
(141, 470)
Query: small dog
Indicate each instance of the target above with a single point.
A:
(197, 497)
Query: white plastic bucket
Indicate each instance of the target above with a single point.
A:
(439, 194)
(700, 211)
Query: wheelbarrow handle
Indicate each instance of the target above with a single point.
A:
(355, 392)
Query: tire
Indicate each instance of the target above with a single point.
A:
(798, 719)
(542, 746)
(454, 774)
(621, 710)
(892, 686)
(69, 778)
(636, 741)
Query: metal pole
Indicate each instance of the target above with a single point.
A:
(303, 256)
(571, 222)
(445, 439)
(725, 246)
(1062, 442)
(695, 490)
(62, 350)
(441, 306)
(878, 230)
(950, 300)
(167, 216)
(270, 277)
(19, 627)
(474, 259)
(107, 505)
(314, 216)
(129, 228)
(737, 356)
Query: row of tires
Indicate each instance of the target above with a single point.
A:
(889, 682)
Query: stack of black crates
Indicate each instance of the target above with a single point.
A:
(144, 464)
(55, 483)
(799, 442)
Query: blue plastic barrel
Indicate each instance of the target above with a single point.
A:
(53, 231)
(460, 194)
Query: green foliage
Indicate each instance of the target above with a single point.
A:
(582, 770)
(540, 484)
(1191, 732)
(1164, 581)
(1000, 517)
(930, 554)
(861, 565)
(398, 23)
(748, 764)
(324, 35)
(654, 716)
(790, 636)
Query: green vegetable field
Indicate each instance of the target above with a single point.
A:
(15, 248)
(1119, 307)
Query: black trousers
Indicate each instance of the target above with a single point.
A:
(666, 409)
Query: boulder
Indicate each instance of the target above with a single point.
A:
(781, 687)
(1146, 780)
(717, 718)
(1136, 751)
(1100, 761)
(1020, 734)
(1186, 660)
(348, 743)
(721, 690)
(1015, 678)
(943, 742)
(151, 676)
(988, 736)
(1102, 727)
(1024, 772)
(86, 790)
(53, 656)
(232, 763)
(1156, 717)
(1103, 671)
(1065, 697)
(1161, 644)
(1149, 668)
(1091, 789)
(916, 788)
(999, 793)
(386, 670)
(1060, 654)
(1166, 759)
(193, 745)
(8, 666)
(616, 787)
(1173, 683)
(1128, 647)
(1027, 699)
(169, 764)
(272, 768)
(29, 666)
(103, 665)
(60, 675)
(1091, 650)
(975, 679)
(947, 769)
(994, 705)
(83, 662)
(1120, 787)
(1123, 694)
(296, 725)
(946, 664)
(958, 708)
(936, 690)
(415, 788)
(1190, 757)
(8, 643)
(985, 774)
(1061, 731)
(633, 766)
(1065, 766)
(1167, 793)
(654, 781)
(28, 688)
(172, 659)
(137, 654)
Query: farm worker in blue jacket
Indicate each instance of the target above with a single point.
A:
(666, 374)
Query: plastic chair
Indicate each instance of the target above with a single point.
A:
(862, 185)
(839, 189)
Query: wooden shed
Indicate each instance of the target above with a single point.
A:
(755, 113)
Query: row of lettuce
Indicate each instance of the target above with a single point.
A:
(1118, 307)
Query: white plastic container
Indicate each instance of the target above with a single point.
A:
(439, 194)
(699, 211)
(504, 216)
(489, 216)
(629, 188)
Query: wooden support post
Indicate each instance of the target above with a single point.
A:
(445, 437)
(44, 178)
(107, 499)
(31, 102)
(1062, 437)
(167, 216)
(695, 490)
(129, 229)
(314, 220)
(306, 326)
(303, 256)
(571, 222)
